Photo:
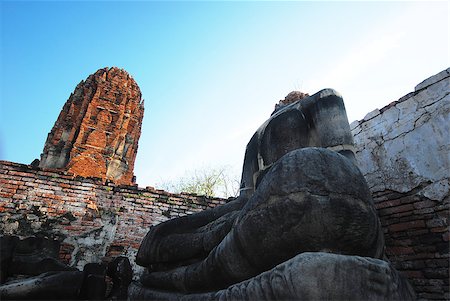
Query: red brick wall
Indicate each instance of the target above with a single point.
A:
(91, 220)
(417, 240)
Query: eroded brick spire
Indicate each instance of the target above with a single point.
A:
(97, 131)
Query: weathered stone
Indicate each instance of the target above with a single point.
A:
(97, 132)
(372, 114)
(36, 255)
(402, 154)
(38, 267)
(7, 246)
(36, 248)
(121, 273)
(187, 237)
(314, 195)
(94, 284)
(432, 80)
(316, 121)
(307, 276)
(35, 163)
(47, 286)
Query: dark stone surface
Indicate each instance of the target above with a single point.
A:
(91, 284)
(36, 255)
(192, 236)
(36, 248)
(312, 199)
(319, 120)
(34, 268)
(307, 276)
(94, 282)
(35, 163)
(47, 286)
(7, 246)
(121, 273)
(30, 256)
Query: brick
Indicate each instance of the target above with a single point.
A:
(415, 233)
(14, 182)
(407, 226)
(442, 247)
(424, 204)
(411, 265)
(417, 255)
(436, 273)
(402, 208)
(432, 296)
(437, 222)
(429, 238)
(406, 215)
(8, 186)
(399, 250)
(432, 289)
(436, 263)
(423, 211)
(30, 178)
(410, 199)
(413, 274)
(20, 174)
(19, 197)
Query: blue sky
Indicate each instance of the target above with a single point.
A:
(210, 72)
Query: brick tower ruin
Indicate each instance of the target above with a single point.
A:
(97, 131)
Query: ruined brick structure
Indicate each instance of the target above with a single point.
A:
(97, 131)
(92, 220)
(290, 98)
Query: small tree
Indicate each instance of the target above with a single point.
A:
(211, 182)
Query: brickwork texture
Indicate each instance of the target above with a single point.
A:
(92, 220)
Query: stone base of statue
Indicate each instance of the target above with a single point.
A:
(307, 276)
